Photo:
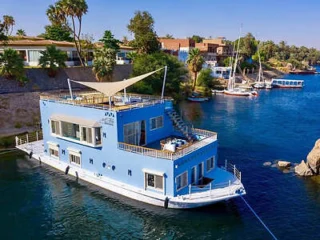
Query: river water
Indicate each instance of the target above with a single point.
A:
(37, 202)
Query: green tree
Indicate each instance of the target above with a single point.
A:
(21, 33)
(195, 62)
(197, 38)
(8, 22)
(109, 41)
(57, 32)
(205, 78)
(52, 59)
(144, 63)
(12, 65)
(248, 46)
(104, 62)
(87, 46)
(64, 11)
(145, 38)
(168, 36)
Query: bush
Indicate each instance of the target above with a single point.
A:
(12, 65)
(7, 142)
(17, 125)
(52, 59)
(205, 78)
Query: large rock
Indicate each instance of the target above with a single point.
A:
(313, 158)
(303, 169)
(284, 164)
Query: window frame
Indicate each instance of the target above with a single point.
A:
(156, 122)
(212, 160)
(75, 153)
(180, 176)
(146, 186)
(54, 147)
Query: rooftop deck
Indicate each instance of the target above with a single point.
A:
(208, 137)
(94, 99)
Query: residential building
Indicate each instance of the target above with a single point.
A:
(177, 47)
(223, 49)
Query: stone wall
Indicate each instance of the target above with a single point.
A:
(39, 80)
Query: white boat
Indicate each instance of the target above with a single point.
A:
(214, 91)
(260, 83)
(198, 99)
(232, 90)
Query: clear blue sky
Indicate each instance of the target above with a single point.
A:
(295, 21)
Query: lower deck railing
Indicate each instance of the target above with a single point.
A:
(29, 137)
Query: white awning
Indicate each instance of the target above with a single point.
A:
(152, 172)
(75, 120)
(111, 88)
(74, 151)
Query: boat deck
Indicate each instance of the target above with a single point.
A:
(224, 186)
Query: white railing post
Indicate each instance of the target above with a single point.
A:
(37, 135)
(17, 141)
(189, 190)
(27, 138)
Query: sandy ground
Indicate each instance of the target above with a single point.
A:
(19, 112)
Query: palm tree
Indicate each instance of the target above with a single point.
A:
(103, 64)
(52, 59)
(8, 22)
(74, 11)
(21, 33)
(195, 62)
(11, 64)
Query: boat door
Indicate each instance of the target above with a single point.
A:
(143, 133)
(200, 173)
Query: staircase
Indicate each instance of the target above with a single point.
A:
(183, 127)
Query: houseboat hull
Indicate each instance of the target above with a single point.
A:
(194, 200)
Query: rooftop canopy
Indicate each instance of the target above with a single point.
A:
(111, 88)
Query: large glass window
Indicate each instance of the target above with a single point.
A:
(70, 130)
(156, 122)
(132, 133)
(34, 55)
(182, 180)
(55, 127)
(154, 181)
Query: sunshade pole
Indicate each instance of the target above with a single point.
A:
(70, 90)
(164, 81)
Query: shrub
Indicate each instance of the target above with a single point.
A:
(12, 65)
(52, 59)
(17, 125)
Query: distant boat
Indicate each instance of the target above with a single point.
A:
(198, 99)
(310, 70)
(287, 83)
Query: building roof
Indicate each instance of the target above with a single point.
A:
(38, 42)
(124, 47)
(176, 44)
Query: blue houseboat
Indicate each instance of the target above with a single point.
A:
(133, 145)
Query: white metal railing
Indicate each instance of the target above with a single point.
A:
(166, 154)
(232, 168)
(194, 189)
(97, 100)
(28, 138)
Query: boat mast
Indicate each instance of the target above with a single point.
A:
(260, 74)
(231, 85)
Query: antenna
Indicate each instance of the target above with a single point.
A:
(164, 81)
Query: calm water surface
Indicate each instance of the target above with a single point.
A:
(37, 202)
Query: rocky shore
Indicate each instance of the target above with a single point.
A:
(312, 165)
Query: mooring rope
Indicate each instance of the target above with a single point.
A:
(265, 226)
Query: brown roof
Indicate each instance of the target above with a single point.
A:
(100, 44)
(42, 42)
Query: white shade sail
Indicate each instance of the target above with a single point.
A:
(111, 88)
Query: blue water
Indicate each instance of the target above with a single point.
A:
(37, 202)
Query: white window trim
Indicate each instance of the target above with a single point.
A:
(195, 174)
(150, 122)
(212, 164)
(178, 189)
(93, 144)
(53, 146)
(151, 172)
(202, 163)
(76, 153)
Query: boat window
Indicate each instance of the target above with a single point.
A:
(98, 135)
(75, 158)
(210, 164)
(182, 180)
(156, 122)
(154, 181)
(200, 171)
(70, 130)
(194, 175)
(55, 127)
(132, 133)
(86, 134)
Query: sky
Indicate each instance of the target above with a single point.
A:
(294, 21)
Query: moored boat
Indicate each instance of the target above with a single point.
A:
(287, 83)
(139, 149)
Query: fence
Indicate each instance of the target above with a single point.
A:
(29, 137)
